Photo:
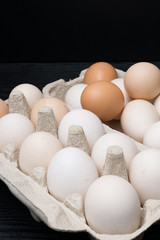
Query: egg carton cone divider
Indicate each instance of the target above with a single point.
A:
(32, 190)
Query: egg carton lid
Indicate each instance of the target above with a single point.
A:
(44, 207)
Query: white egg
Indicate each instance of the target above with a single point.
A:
(91, 124)
(120, 73)
(151, 137)
(31, 93)
(73, 96)
(37, 150)
(120, 83)
(136, 117)
(99, 150)
(144, 174)
(156, 103)
(112, 206)
(71, 170)
(14, 128)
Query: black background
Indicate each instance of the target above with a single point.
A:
(84, 30)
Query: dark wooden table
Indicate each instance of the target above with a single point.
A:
(15, 219)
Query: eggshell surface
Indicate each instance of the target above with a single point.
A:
(71, 170)
(3, 108)
(156, 103)
(136, 117)
(58, 106)
(100, 147)
(119, 82)
(100, 71)
(73, 96)
(37, 150)
(151, 137)
(112, 206)
(31, 93)
(142, 81)
(91, 124)
(144, 174)
(14, 128)
(104, 99)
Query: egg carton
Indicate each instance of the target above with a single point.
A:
(67, 216)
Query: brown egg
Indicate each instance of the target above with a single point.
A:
(3, 108)
(104, 99)
(142, 81)
(58, 106)
(100, 71)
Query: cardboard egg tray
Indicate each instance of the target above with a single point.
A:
(32, 190)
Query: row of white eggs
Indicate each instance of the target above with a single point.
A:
(71, 170)
(62, 165)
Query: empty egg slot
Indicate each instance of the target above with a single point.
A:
(59, 88)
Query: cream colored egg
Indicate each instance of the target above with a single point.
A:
(137, 116)
(112, 206)
(31, 93)
(37, 150)
(142, 81)
(3, 108)
(14, 128)
(144, 174)
(58, 106)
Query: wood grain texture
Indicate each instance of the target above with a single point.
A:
(15, 219)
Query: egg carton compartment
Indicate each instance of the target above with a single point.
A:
(32, 190)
